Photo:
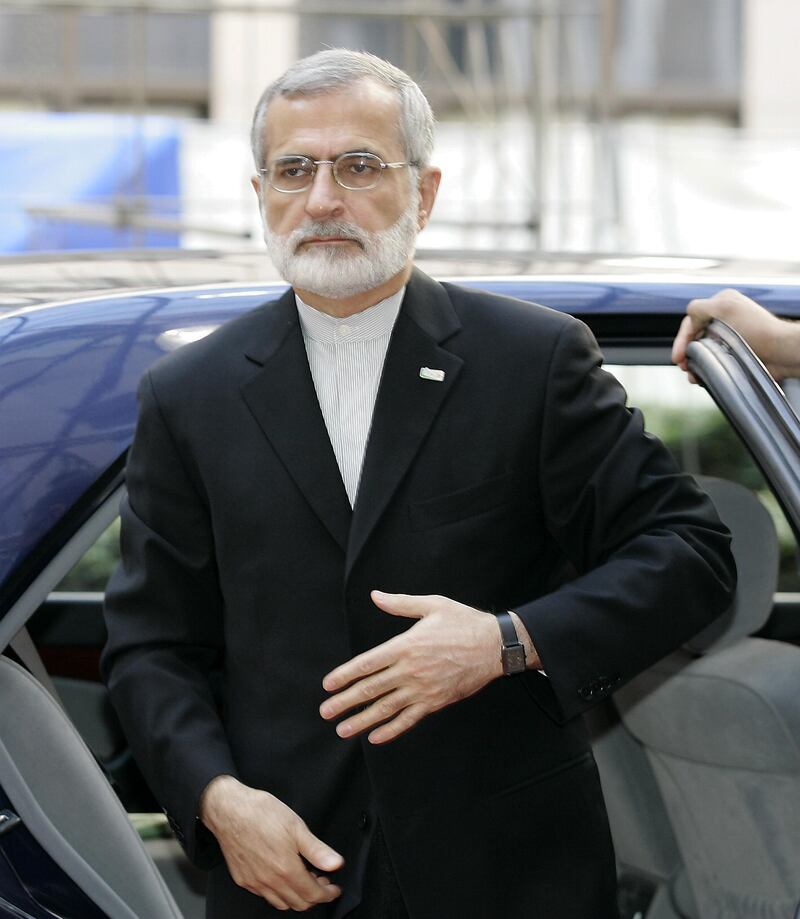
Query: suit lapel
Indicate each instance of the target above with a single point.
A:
(406, 404)
(283, 400)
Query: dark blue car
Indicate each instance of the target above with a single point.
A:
(700, 757)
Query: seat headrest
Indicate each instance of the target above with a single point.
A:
(755, 550)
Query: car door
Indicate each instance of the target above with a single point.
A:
(755, 406)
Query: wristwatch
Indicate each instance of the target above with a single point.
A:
(512, 650)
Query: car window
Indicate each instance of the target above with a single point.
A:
(93, 570)
(702, 441)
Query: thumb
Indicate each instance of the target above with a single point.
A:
(408, 605)
(686, 333)
(316, 852)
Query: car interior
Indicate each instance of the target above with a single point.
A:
(700, 749)
(102, 867)
(701, 739)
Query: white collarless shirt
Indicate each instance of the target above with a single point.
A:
(346, 359)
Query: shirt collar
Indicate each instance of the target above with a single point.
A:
(371, 323)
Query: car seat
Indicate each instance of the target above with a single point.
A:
(57, 801)
(651, 874)
(720, 721)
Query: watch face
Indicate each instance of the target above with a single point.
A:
(513, 659)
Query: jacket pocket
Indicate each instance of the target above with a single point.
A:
(583, 759)
(466, 502)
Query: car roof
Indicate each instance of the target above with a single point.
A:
(69, 372)
(28, 279)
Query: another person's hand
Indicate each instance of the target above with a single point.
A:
(263, 840)
(450, 654)
(774, 340)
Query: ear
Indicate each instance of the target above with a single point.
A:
(255, 181)
(428, 187)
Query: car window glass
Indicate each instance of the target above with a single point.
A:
(93, 570)
(698, 435)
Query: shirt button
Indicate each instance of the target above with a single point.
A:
(345, 330)
(363, 820)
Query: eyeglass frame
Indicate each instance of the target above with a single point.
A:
(332, 163)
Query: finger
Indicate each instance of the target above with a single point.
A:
(410, 605)
(403, 722)
(681, 341)
(701, 312)
(690, 328)
(274, 900)
(698, 315)
(293, 882)
(363, 665)
(381, 710)
(723, 301)
(298, 887)
(362, 692)
(316, 852)
(332, 890)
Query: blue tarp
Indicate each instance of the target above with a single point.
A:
(69, 161)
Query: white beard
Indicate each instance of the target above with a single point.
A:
(337, 272)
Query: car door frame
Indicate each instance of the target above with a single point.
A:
(755, 406)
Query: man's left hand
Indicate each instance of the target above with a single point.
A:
(451, 653)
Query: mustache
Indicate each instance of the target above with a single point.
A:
(329, 230)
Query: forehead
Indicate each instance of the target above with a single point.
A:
(361, 115)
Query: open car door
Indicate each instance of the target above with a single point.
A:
(717, 718)
(67, 847)
(756, 407)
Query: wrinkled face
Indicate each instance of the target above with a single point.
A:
(330, 240)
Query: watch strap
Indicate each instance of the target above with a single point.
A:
(507, 630)
(512, 650)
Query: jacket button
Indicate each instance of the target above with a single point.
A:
(363, 820)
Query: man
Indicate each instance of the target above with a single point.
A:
(326, 498)
(775, 341)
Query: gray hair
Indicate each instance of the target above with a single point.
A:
(338, 67)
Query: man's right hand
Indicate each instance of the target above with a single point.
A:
(775, 341)
(263, 840)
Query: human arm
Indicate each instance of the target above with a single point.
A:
(651, 558)
(451, 653)
(264, 843)
(776, 341)
(164, 610)
(165, 638)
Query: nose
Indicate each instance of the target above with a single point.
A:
(324, 196)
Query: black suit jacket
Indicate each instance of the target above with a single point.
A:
(241, 554)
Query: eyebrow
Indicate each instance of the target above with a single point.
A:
(308, 156)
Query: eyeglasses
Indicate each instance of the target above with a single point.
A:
(353, 171)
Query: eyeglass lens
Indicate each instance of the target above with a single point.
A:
(351, 170)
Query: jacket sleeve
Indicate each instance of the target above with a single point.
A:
(653, 559)
(164, 615)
